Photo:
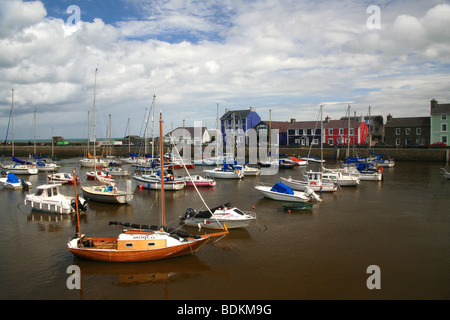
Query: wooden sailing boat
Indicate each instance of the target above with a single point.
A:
(140, 242)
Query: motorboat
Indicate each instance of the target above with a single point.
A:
(12, 182)
(153, 180)
(251, 171)
(62, 177)
(108, 194)
(282, 192)
(117, 171)
(215, 218)
(48, 198)
(297, 161)
(199, 181)
(313, 180)
(44, 166)
(342, 179)
(227, 171)
(100, 176)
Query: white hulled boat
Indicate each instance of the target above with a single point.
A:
(282, 192)
(216, 217)
(48, 198)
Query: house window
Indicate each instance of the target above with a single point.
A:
(330, 141)
(315, 141)
(297, 132)
(397, 141)
(330, 132)
(313, 132)
(407, 131)
(444, 139)
(420, 141)
(443, 117)
(341, 131)
(444, 127)
(305, 132)
(397, 131)
(418, 131)
(351, 131)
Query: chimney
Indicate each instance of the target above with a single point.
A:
(292, 120)
(227, 110)
(388, 118)
(252, 109)
(433, 105)
(327, 119)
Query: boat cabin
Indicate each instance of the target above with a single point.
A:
(47, 190)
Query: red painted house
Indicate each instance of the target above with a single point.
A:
(305, 133)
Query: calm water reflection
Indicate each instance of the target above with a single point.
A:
(400, 224)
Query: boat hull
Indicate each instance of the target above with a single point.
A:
(296, 197)
(237, 174)
(156, 185)
(107, 197)
(212, 223)
(114, 255)
(303, 185)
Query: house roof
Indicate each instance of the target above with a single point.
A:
(185, 131)
(409, 122)
(443, 108)
(282, 126)
(240, 113)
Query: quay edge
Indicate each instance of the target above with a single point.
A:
(433, 154)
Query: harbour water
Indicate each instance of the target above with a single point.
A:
(400, 224)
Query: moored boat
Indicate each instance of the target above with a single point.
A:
(215, 218)
(313, 180)
(107, 194)
(153, 180)
(282, 192)
(62, 177)
(199, 181)
(12, 182)
(48, 198)
(227, 171)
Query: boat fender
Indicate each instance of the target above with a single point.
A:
(171, 178)
(236, 171)
(313, 183)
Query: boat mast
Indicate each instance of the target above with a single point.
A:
(162, 167)
(321, 140)
(12, 122)
(95, 88)
(153, 128)
(78, 234)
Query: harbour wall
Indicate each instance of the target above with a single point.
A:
(434, 154)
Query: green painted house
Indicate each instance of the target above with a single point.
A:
(440, 122)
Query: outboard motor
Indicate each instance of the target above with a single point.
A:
(310, 193)
(82, 204)
(188, 214)
(25, 185)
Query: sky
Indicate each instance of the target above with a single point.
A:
(186, 57)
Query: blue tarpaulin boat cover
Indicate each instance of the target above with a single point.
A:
(282, 188)
(12, 178)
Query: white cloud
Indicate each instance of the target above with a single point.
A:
(289, 55)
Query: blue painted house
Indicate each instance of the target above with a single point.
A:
(235, 124)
